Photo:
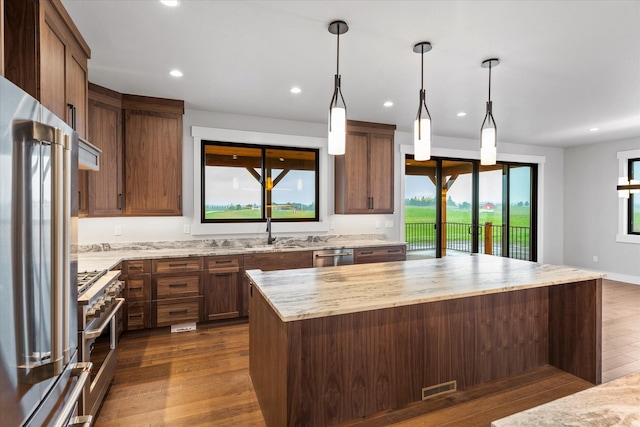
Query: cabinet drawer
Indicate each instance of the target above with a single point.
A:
(380, 254)
(137, 266)
(223, 264)
(184, 285)
(278, 260)
(173, 265)
(137, 288)
(179, 310)
(137, 316)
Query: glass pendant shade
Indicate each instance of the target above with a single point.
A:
(488, 139)
(422, 131)
(337, 122)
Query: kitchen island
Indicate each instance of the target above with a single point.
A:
(339, 343)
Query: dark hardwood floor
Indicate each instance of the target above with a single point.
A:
(201, 378)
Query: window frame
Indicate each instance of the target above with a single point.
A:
(263, 196)
(631, 199)
(623, 234)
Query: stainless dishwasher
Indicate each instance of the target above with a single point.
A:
(333, 257)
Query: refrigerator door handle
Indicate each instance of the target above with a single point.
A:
(82, 370)
(48, 364)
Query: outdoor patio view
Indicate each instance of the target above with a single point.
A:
(496, 235)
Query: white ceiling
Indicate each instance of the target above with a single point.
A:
(566, 66)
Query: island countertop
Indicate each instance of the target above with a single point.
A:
(321, 292)
(616, 403)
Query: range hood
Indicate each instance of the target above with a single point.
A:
(88, 155)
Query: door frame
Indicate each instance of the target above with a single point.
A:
(474, 156)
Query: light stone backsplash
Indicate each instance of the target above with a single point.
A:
(227, 243)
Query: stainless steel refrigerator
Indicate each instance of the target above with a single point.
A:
(40, 379)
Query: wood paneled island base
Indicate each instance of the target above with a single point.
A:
(312, 369)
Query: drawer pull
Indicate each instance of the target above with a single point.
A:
(131, 316)
(393, 250)
(182, 264)
(185, 311)
(366, 253)
(178, 285)
(222, 274)
(223, 261)
(135, 267)
(139, 288)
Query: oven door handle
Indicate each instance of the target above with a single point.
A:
(94, 333)
(82, 370)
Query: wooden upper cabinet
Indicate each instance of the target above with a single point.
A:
(105, 132)
(45, 54)
(153, 155)
(364, 175)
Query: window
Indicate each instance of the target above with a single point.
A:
(249, 183)
(634, 199)
(628, 208)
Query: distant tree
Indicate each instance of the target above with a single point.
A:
(450, 201)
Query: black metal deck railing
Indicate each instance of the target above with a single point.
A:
(422, 236)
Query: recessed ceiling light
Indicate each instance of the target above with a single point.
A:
(594, 129)
(170, 3)
(176, 73)
(295, 89)
(388, 104)
(461, 114)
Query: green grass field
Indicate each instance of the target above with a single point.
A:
(520, 215)
(256, 214)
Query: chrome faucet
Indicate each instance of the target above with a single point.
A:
(270, 239)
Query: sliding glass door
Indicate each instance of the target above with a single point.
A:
(456, 207)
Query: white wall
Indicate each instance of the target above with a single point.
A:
(102, 230)
(591, 211)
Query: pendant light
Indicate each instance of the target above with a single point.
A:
(488, 130)
(337, 107)
(422, 125)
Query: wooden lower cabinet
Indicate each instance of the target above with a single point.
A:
(137, 315)
(380, 254)
(136, 275)
(177, 310)
(221, 289)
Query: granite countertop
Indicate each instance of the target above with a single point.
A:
(319, 292)
(616, 403)
(98, 257)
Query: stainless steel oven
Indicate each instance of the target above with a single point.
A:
(99, 306)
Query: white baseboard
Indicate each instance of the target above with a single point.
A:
(623, 278)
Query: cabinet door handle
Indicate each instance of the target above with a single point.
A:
(131, 316)
(80, 200)
(72, 108)
(139, 288)
(185, 311)
(120, 201)
(178, 285)
(179, 202)
(183, 264)
(366, 253)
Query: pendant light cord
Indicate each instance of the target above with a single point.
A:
(338, 53)
(489, 81)
(422, 69)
